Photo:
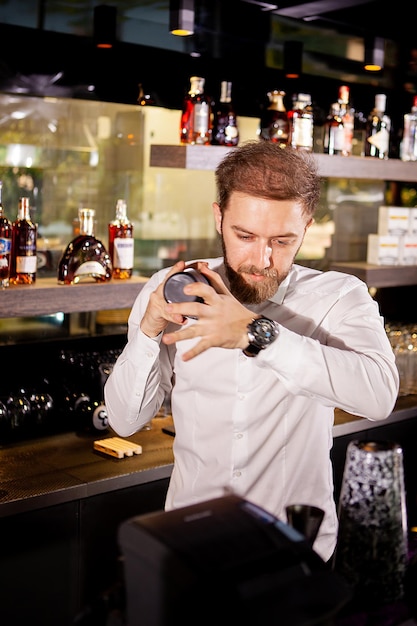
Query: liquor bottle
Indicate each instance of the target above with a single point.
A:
(85, 258)
(274, 124)
(225, 126)
(195, 126)
(24, 259)
(346, 113)
(408, 146)
(378, 129)
(121, 243)
(302, 123)
(5, 244)
(334, 132)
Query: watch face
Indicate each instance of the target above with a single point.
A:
(264, 332)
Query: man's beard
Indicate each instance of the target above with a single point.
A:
(251, 293)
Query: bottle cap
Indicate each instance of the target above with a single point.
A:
(380, 102)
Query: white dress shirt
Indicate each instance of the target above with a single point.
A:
(261, 427)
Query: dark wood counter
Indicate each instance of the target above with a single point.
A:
(65, 467)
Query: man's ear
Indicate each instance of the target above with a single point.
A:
(309, 223)
(217, 217)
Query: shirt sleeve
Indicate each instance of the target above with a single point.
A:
(346, 361)
(141, 376)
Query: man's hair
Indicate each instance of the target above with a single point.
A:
(263, 169)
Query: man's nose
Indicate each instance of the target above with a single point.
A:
(264, 253)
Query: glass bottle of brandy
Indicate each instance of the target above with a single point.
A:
(24, 259)
(195, 125)
(347, 114)
(225, 126)
(121, 243)
(334, 132)
(378, 129)
(85, 258)
(274, 124)
(302, 123)
(5, 244)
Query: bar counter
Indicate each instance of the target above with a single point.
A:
(63, 468)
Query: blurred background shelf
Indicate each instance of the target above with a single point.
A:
(208, 157)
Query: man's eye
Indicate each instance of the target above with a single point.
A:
(280, 242)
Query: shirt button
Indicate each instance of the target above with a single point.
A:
(238, 436)
(241, 396)
(237, 474)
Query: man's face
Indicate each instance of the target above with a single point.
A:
(260, 240)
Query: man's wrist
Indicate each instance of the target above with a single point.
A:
(261, 332)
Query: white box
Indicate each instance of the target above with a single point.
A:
(393, 220)
(383, 249)
(408, 250)
(412, 225)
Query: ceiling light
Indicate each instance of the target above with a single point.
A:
(293, 58)
(181, 17)
(105, 19)
(374, 54)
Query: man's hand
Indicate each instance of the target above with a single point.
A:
(157, 316)
(221, 320)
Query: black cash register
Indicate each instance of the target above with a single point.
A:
(224, 562)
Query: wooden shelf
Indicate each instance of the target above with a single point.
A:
(46, 297)
(379, 275)
(365, 168)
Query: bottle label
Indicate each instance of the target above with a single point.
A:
(123, 253)
(90, 268)
(380, 140)
(26, 264)
(5, 246)
(201, 118)
(303, 132)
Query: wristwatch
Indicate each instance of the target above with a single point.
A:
(261, 333)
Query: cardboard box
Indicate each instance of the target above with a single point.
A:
(383, 249)
(393, 220)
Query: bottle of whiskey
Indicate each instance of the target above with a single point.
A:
(378, 128)
(24, 259)
(5, 244)
(408, 146)
(302, 123)
(85, 258)
(225, 126)
(121, 243)
(334, 132)
(347, 115)
(195, 126)
(274, 124)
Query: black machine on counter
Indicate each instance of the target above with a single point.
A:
(224, 561)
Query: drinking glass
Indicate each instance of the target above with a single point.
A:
(305, 518)
(371, 552)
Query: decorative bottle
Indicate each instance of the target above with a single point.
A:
(85, 258)
(302, 123)
(195, 127)
(24, 259)
(5, 244)
(346, 113)
(334, 132)
(378, 129)
(274, 124)
(121, 243)
(408, 146)
(225, 126)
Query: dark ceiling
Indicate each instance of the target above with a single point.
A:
(361, 17)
